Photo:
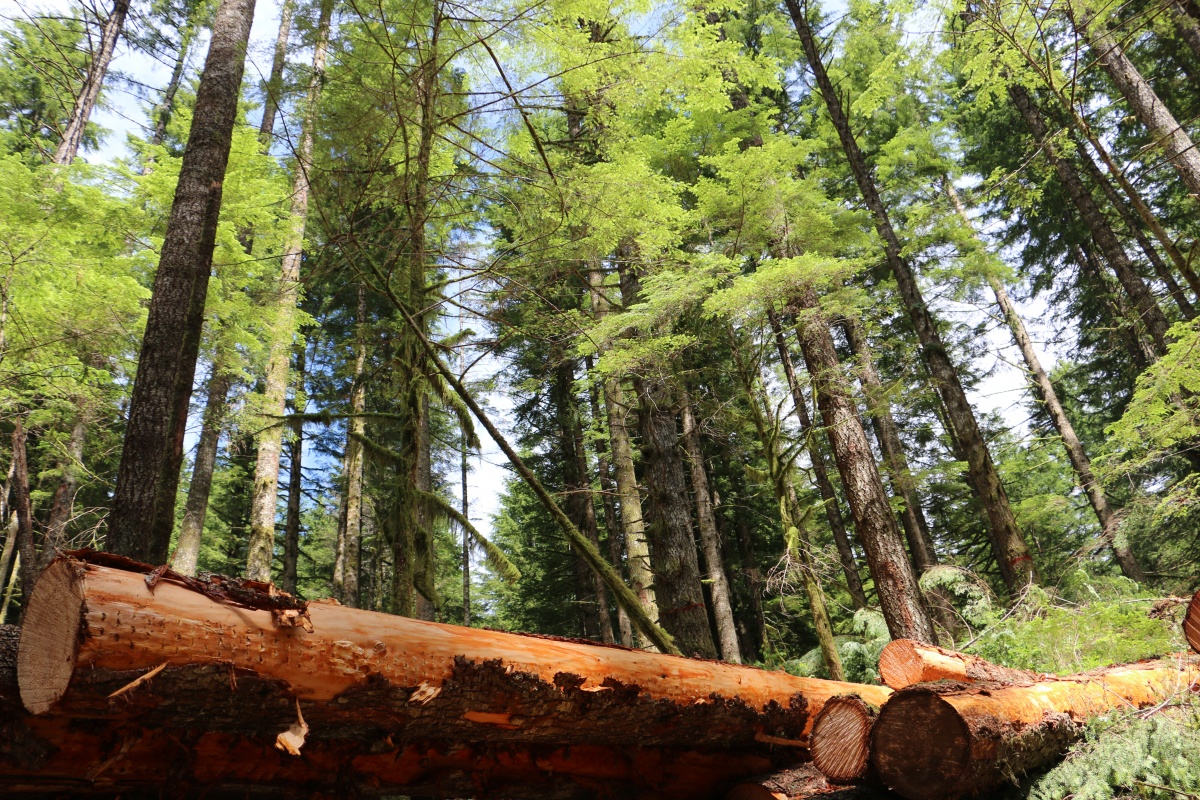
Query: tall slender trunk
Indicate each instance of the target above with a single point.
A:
(291, 526)
(1089, 212)
(8, 584)
(616, 407)
(1012, 553)
(187, 549)
(797, 542)
(1121, 205)
(754, 582)
(266, 469)
(9, 520)
(426, 572)
(351, 549)
(65, 153)
(180, 285)
(1123, 318)
(1109, 529)
(466, 537)
(9, 590)
(273, 88)
(895, 582)
(166, 106)
(887, 433)
(710, 540)
(23, 508)
(1145, 102)
(820, 468)
(62, 507)
(1186, 24)
(616, 539)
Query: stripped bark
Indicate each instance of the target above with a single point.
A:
(1012, 553)
(710, 539)
(265, 491)
(180, 285)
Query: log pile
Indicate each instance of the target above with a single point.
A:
(128, 679)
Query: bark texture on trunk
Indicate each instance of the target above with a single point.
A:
(895, 582)
(191, 531)
(264, 497)
(710, 539)
(1089, 212)
(608, 495)
(979, 737)
(905, 662)
(92, 628)
(62, 507)
(180, 284)
(1037, 375)
(816, 454)
(1012, 553)
(65, 153)
(346, 568)
(1142, 98)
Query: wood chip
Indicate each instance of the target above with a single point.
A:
(291, 740)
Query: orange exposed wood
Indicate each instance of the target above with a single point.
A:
(1191, 623)
(943, 741)
(905, 662)
(841, 736)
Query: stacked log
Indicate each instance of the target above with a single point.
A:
(905, 662)
(391, 705)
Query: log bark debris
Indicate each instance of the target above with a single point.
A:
(232, 668)
(905, 662)
(976, 737)
(797, 783)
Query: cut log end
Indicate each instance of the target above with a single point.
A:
(900, 664)
(1191, 623)
(841, 739)
(921, 746)
(50, 635)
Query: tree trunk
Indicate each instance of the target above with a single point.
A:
(349, 548)
(187, 549)
(90, 91)
(895, 583)
(364, 674)
(829, 499)
(291, 527)
(6, 557)
(1152, 112)
(1109, 528)
(62, 507)
(616, 539)
(904, 662)
(637, 549)
(1186, 24)
(273, 88)
(1123, 319)
(266, 469)
(23, 508)
(1151, 315)
(974, 739)
(710, 540)
(11, 587)
(466, 536)
(1012, 553)
(754, 583)
(180, 284)
(166, 107)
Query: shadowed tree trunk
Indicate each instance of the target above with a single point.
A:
(1145, 102)
(1186, 25)
(187, 550)
(616, 408)
(895, 583)
(829, 499)
(1036, 374)
(291, 526)
(349, 545)
(180, 285)
(1089, 212)
(85, 102)
(1012, 553)
(710, 540)
(266, 469)
(1122, 319)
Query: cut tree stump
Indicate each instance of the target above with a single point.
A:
(938, 741)
(905, 662)
(841, 739)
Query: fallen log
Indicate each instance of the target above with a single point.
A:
(1191, 623)
(841, 737)
(940, 741)
(905, 662)
(91, 629)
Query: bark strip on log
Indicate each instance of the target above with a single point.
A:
(841, 739)
(944, 741)
(92, 628)
(905, 662)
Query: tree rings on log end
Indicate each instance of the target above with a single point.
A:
(841, 738)
(921, 746)
(900, 665)
(1191, 623)
(50, 635)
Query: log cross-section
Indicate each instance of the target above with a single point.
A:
(905, 662)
